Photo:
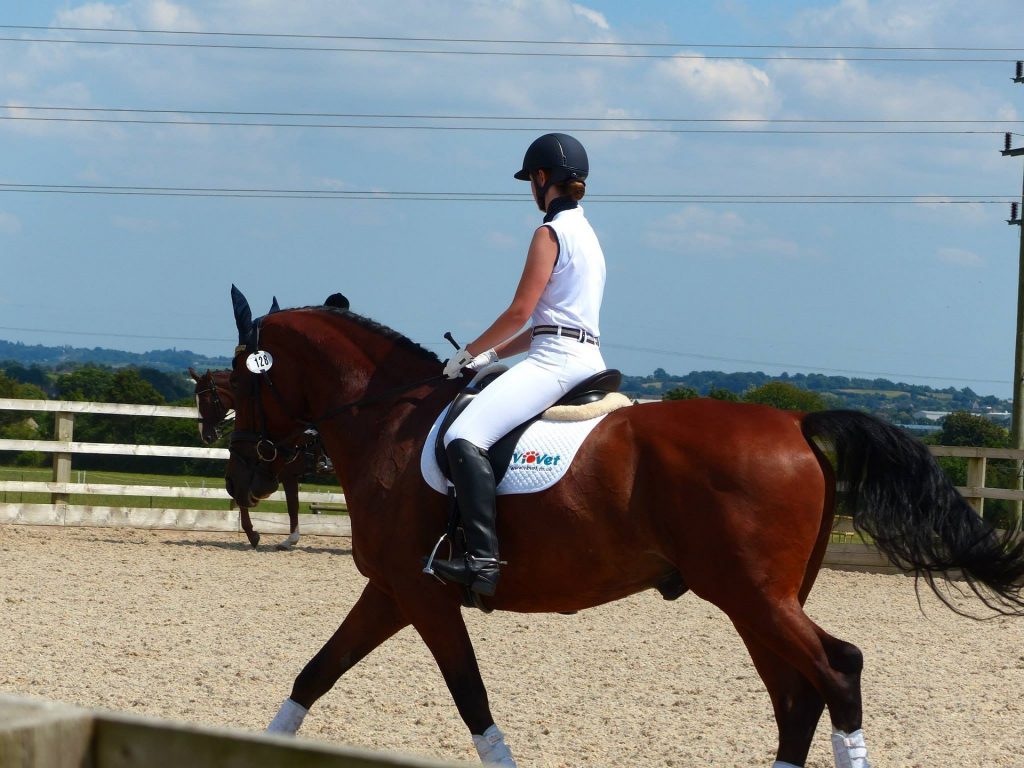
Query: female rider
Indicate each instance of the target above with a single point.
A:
(560, 294)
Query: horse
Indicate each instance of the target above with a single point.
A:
(733, 502)
(215, 401)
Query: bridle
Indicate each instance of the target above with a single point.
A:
(215, 402)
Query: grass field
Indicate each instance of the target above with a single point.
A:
(39, 475)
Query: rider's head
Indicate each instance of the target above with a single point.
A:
(555, 160)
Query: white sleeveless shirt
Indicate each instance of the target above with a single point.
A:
(572, 297)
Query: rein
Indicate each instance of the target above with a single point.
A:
(309, 428)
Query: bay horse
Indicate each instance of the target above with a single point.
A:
(732, 501)
(215, 401)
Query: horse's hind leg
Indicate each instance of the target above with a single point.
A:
(373, 619)
(797, 703)
(831, 665)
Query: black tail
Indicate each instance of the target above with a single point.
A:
(900, 498)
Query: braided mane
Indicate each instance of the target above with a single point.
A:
(381, 330)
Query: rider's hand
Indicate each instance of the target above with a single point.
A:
(483, 359)
(453, 367)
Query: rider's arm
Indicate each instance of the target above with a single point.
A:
(518, 343)
(540, 262)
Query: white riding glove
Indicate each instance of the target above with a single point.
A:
(453, 367)
(483, 359)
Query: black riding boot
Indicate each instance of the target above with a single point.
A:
(471, 473)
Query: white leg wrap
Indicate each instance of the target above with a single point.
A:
(492, 748)
(288, 718)
(850, 750)
(780, 764)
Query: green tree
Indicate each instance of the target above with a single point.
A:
(19, 425)
(681, 393)
(784, 396)
(721, 393)
(968, 429)
(962, 428)
(87, 383)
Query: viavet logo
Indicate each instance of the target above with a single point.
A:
(534, 460)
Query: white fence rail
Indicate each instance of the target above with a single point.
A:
(61, 512)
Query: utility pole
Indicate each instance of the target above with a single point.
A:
(1017, 423)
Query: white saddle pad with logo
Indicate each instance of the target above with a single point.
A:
(542, 455)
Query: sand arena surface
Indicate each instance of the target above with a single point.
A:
(197, 627)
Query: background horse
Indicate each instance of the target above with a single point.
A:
(734, 502)
(215, 401)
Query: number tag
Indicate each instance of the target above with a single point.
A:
(259, 362)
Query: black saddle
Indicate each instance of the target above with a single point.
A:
(588, 391)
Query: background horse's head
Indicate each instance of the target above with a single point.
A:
(214, 402)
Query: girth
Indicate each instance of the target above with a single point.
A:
(590, 390)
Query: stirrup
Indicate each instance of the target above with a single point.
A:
(428, 565)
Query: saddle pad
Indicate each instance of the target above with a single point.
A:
(542, 455)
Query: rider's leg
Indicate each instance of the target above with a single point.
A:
(471, 473)
(517, 395)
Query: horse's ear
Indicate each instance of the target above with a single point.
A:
(274, 307)
(336, 300)
(193, 374)
(243, 315)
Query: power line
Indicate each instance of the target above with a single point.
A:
(543, 54)
(101, 334)
(499, 41)
(498, 128)
(501, 197)
(551, 118)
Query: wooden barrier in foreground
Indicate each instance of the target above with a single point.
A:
(41, 734)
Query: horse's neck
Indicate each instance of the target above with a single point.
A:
(379, 444)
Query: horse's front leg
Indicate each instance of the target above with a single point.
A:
(291, 494)
(252, 535)
(373, 619)
(444, 631)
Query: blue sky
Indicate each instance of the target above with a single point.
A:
(922, 291)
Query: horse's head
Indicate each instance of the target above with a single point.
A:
(271, 423)
(300, 371)
(213, 400)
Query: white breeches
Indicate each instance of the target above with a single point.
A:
(553, 366)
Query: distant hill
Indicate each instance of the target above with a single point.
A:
(165, 360)
(898, 401)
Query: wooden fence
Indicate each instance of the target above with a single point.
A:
(60, 510)
(845, 551)
(35, 733)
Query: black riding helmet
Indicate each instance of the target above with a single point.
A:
(562, 156)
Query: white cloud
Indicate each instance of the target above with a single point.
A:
(696, 230)
(161, 14)
(891, 21)
(594, 17)
(9, 223)
(95, 15)
(959, 257)
(726, 88)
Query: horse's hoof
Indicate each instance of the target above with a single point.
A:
(253, 537)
